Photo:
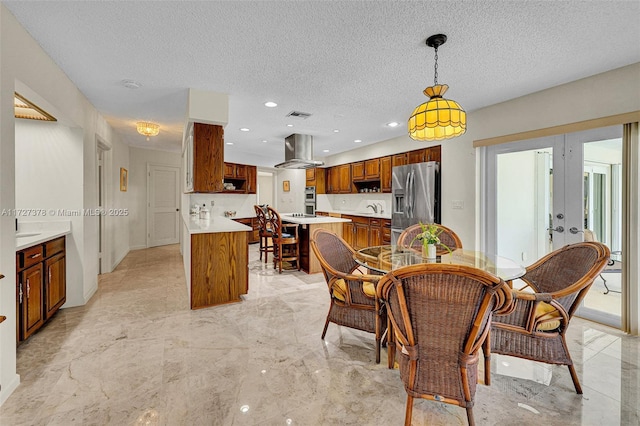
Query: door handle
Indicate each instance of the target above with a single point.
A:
(574, 230)
(556, 229)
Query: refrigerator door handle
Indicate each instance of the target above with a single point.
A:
(407, 196)
(412, 191)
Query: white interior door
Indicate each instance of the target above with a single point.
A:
(163, 219)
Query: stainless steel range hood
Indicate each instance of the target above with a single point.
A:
(298, 153)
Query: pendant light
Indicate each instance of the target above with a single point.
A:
(438, 118)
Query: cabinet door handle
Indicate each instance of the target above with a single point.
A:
(49, 274)
(20, 293)
(28, 288)
(33, 256)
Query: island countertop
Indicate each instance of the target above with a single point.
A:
(286, 217)
(216, 224)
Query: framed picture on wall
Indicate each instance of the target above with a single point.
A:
(285, 186)
(123, 179)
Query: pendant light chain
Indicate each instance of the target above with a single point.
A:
(435, 68)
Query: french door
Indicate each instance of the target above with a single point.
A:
(548, 192)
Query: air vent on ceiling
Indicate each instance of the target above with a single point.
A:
(299, 114)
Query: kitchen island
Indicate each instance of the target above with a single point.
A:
(215, 254)
(308, 260)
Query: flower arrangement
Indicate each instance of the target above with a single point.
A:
(429, 235)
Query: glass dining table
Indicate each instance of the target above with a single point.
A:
(382, 259)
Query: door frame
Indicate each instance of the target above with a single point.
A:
(104, 240)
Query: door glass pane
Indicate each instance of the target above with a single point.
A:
(524, 205)
(603, 218)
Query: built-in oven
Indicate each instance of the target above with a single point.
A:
(309, 208)
(310, 194)
(310, 200)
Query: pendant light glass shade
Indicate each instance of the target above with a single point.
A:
(438, 118)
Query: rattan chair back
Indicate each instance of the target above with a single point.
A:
(447, 237)
(439, 316)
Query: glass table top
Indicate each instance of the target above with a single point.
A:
(386, 258)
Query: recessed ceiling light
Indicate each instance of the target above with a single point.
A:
(393, 124)
(358, 141)
(336, 131)
(264, 141)
(229, 143)
(289, 125)
(325, 150)
(244, 129)
(270, 104)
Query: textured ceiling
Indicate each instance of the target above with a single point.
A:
(353, 65)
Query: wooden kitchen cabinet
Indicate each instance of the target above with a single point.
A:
(399, 159)
(316, 177)
(417, 156)
(252, 179)
(254, 235)
(242, 176)
(341, 179)
(207, 158)
(41, 287)
(366, 170)
(385, 174)
(31, 301)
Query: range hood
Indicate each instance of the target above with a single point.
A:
(298, 153)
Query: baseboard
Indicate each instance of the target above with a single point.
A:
(88, 295)
(117, 262)
(137, 247)
(7, 390)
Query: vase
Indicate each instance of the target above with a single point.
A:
(429, 251)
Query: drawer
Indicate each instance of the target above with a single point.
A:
(54, 246)
(30, 256)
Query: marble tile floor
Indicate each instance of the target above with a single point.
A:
(136, 354)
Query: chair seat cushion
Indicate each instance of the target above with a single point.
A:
(340, 289)
(548, 316)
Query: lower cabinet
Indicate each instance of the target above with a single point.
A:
(41, 287)
(254, 235)
(364, 232)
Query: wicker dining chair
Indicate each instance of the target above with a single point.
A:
(264, 232)
(536, 326)
(286, 243)
(354, 302)
(439, 315)
(447, 237)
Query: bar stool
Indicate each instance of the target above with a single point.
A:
(286, 244)
(264, 231)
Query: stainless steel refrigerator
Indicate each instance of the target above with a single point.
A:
(416, 196)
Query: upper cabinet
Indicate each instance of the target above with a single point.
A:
(316, 177)
(204, 158)
(373, 175)
(240, 178)
(339, 178)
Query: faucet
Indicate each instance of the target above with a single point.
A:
(375, 209)
(380, 204)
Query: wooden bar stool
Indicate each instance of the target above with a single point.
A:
(286, 244)
(264, 231)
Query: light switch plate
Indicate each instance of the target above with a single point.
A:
(457, 204)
